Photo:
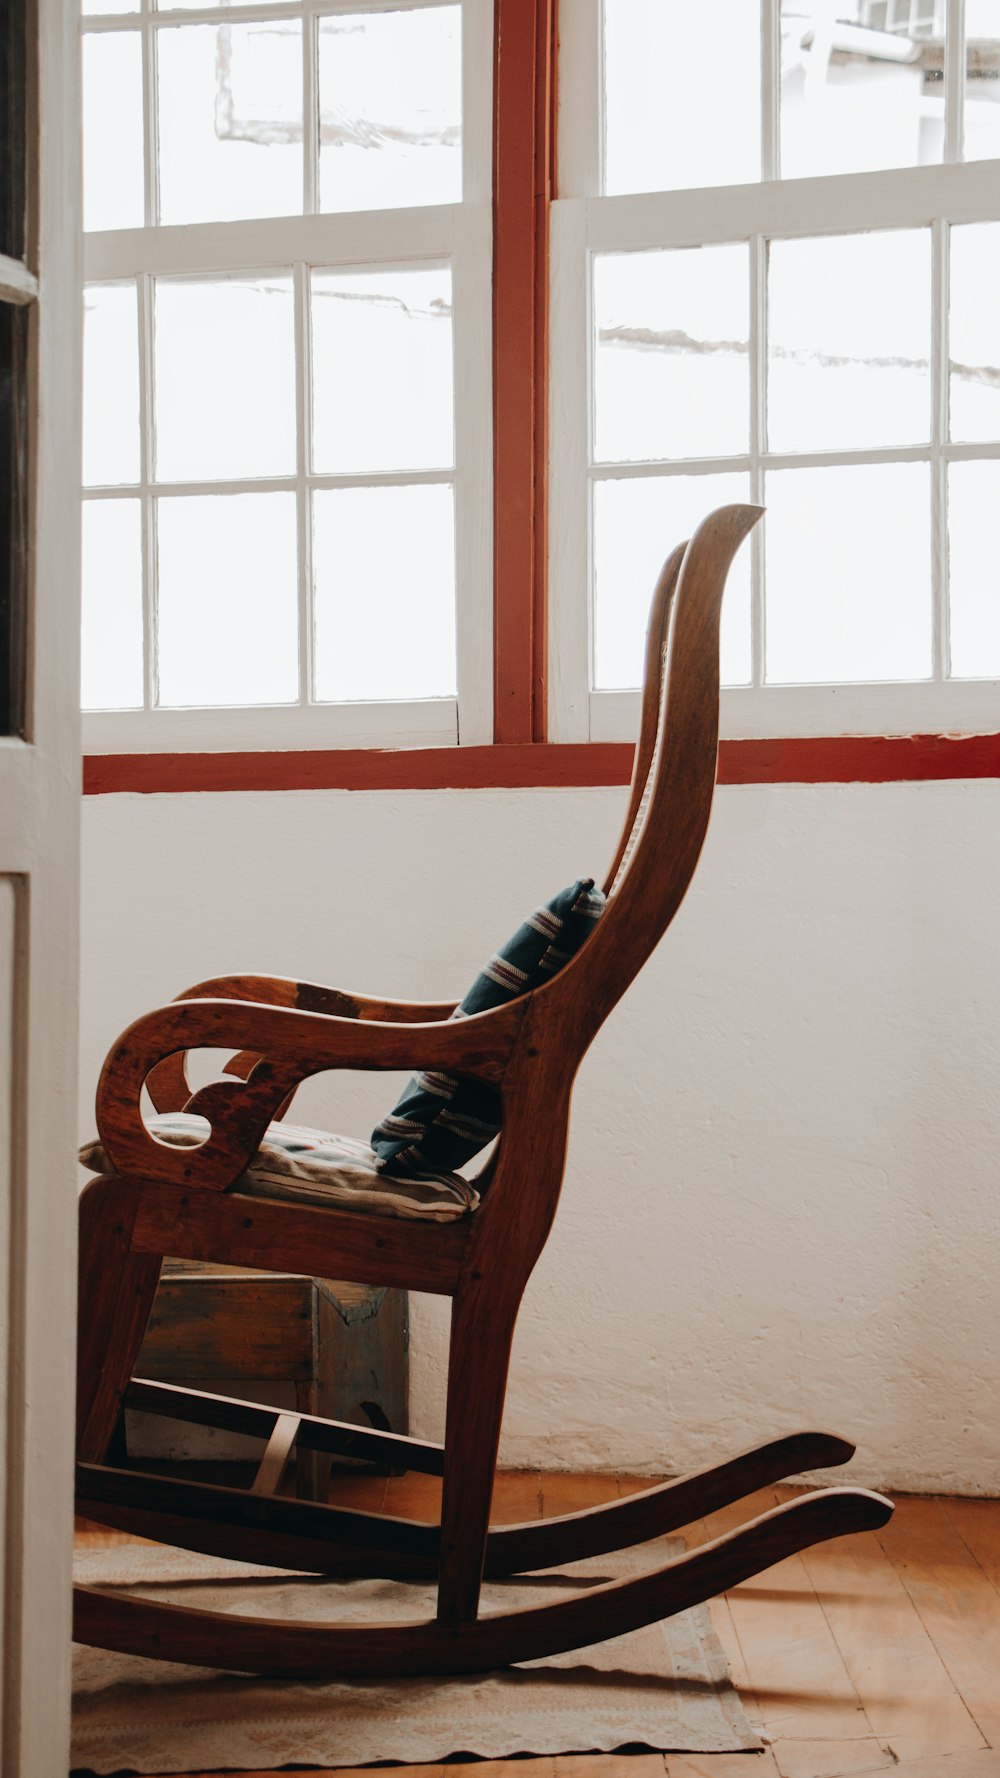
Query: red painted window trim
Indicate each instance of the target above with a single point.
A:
(523, 184)
(837, 759)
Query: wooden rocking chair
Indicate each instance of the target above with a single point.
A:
(161, 1200)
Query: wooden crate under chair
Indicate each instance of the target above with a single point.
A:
(342, 1346)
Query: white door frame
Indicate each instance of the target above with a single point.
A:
(39, 851)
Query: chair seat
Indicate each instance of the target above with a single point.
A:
(303, 1166)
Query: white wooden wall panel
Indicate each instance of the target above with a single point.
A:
(8, 978)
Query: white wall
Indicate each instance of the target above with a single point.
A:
(782, 1198)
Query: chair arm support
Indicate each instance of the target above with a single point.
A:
(291, 1045)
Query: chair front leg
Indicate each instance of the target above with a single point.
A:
(482, 1330)
(116, 1294)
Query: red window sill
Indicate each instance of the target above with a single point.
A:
(828, 759)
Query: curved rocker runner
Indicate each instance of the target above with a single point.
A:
(205, 1201)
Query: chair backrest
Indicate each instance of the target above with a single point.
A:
(673, 777)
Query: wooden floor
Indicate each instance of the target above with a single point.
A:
(871, 1654)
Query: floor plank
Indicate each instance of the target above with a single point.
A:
(414, 1497)
(978, 1525)
(575, 1493)
(361, 1491)
(800, 1680)
(832, 1759)
(956, 1602)
(909, 1697)
(606, 1765)
(960, 1765)
(517, 1499)
(720, 1765)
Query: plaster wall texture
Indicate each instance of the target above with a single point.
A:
(781, 1206)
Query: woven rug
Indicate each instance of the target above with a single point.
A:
(665, 1687)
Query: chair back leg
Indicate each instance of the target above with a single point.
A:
(117, 1288)
(482, 1329)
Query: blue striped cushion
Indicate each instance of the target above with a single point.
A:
(443, 1120)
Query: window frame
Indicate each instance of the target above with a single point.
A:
(457, 234)
(586, 222)
(531, 654)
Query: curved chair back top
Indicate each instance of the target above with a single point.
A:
(673, 777)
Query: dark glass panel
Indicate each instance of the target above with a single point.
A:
(13, 513)
(13, 80)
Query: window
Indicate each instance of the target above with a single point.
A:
(287, 507)
(775, 264)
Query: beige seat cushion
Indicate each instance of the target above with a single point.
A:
(305, 1166)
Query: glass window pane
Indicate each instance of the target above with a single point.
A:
(849, 333)
(861, 87)
(974, 569)
(92, 8)
(390, 93)
(382, 370)
(13, 137)
(384, 569)
(14, 469)
(847, 583)
(672, 356)
(982, 80)
(225, 378)
(975, 331)
(110, 385)
(111, 662)
(681, 94)
(113, 176)
(228, 602)
(636, 525)
(230, 121)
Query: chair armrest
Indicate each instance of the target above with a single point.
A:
(290, 1045)
(168, 1083)
(277, 990)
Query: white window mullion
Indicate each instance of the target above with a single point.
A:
(664, 466)
(940, 379)
(310, 114)
(473, 480)
(954, 82)
(470, 256)
(373, 478)
(570, 498)
(770, 89)
(147, 503)
(581, 99)
(758, 445)
(349, 237)
(303, 464)
(851, 203)
(477, 104)
(150, 112)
